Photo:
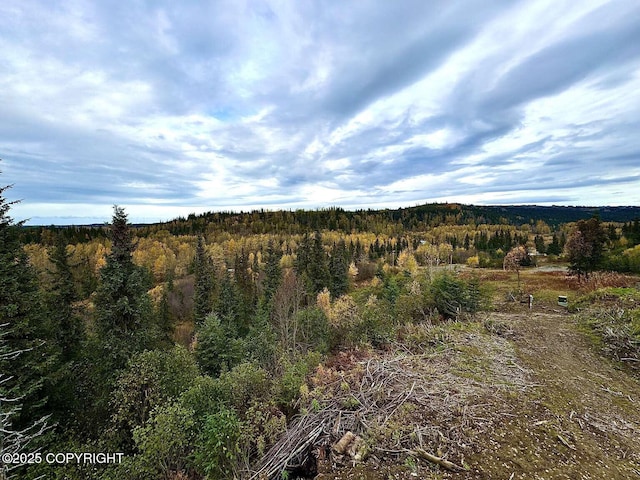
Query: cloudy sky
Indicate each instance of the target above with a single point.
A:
(171, 107)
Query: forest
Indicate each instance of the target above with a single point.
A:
(194, 347)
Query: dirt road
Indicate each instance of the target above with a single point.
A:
(579, 420)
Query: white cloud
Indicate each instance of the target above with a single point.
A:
(171, 106)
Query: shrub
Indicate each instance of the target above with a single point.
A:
(313, 330)
(151, 379)
(245, 384)
(204, 396)
(165, 442)
(218, 447)
(377, 321)
(452, 296)
(287, 388)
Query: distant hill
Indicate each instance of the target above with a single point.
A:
(390, 221)
(415, 218)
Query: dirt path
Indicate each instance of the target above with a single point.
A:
(580, 419)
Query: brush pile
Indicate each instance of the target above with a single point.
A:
(426, 406)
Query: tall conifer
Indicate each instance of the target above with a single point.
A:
(22, 350)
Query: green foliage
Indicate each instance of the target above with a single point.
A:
(378, 322)
(245, 292)
(123, 310)
(390, 289)
(227, 308)
(273, 274)
(218, 447)
(627, 260)
(314, 333)
(24, 354)
(217, 348)
(452, 296)
(165, 443)
(312, 264)
(263, 426)
(204, 395)
(261, 341)
(338, 270)
(245, 384)
(151, 379)
(287, 390)
(66, 325)
(203, 286)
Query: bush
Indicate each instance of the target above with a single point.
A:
(366, 271)
(314, 330)
(165, 443)
(263, 427)
(218, 447)
(205, 395)
(377, 321)
(346, 322)
(287, 389)
(452, 296)
(245, 384)
(151, 379)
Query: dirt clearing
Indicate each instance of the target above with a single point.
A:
(581, 422)
(540, 403)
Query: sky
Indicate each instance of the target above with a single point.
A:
(174, 107)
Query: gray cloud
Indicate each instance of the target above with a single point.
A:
(242, 103)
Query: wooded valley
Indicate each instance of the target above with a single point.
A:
(217, 346)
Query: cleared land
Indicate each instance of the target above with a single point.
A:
(519, 395)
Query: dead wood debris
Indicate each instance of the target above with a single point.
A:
(447, 465)
(441, 410)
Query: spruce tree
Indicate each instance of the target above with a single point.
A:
(273, 273)
(23, 352)
(122, 306)
(339, 270)
(203, 288)
(245, 290)
(317, 269)
(227, 305)
(67, 327)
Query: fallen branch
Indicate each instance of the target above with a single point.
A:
(565, 442)
(446, 464)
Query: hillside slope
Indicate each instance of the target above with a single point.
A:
(520, 395)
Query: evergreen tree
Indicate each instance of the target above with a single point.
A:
(122, 306)
(65, 324)
(303, 255)
(273, 273)
(227, 305)
(22, 350)
(318, 270)
(338, 270)
(554, 247)
(203, 287)
(245, 290)
(539, 242)
(585, 247)
(67, 334)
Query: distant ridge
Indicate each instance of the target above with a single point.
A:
(415, 218)
(389, 221)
